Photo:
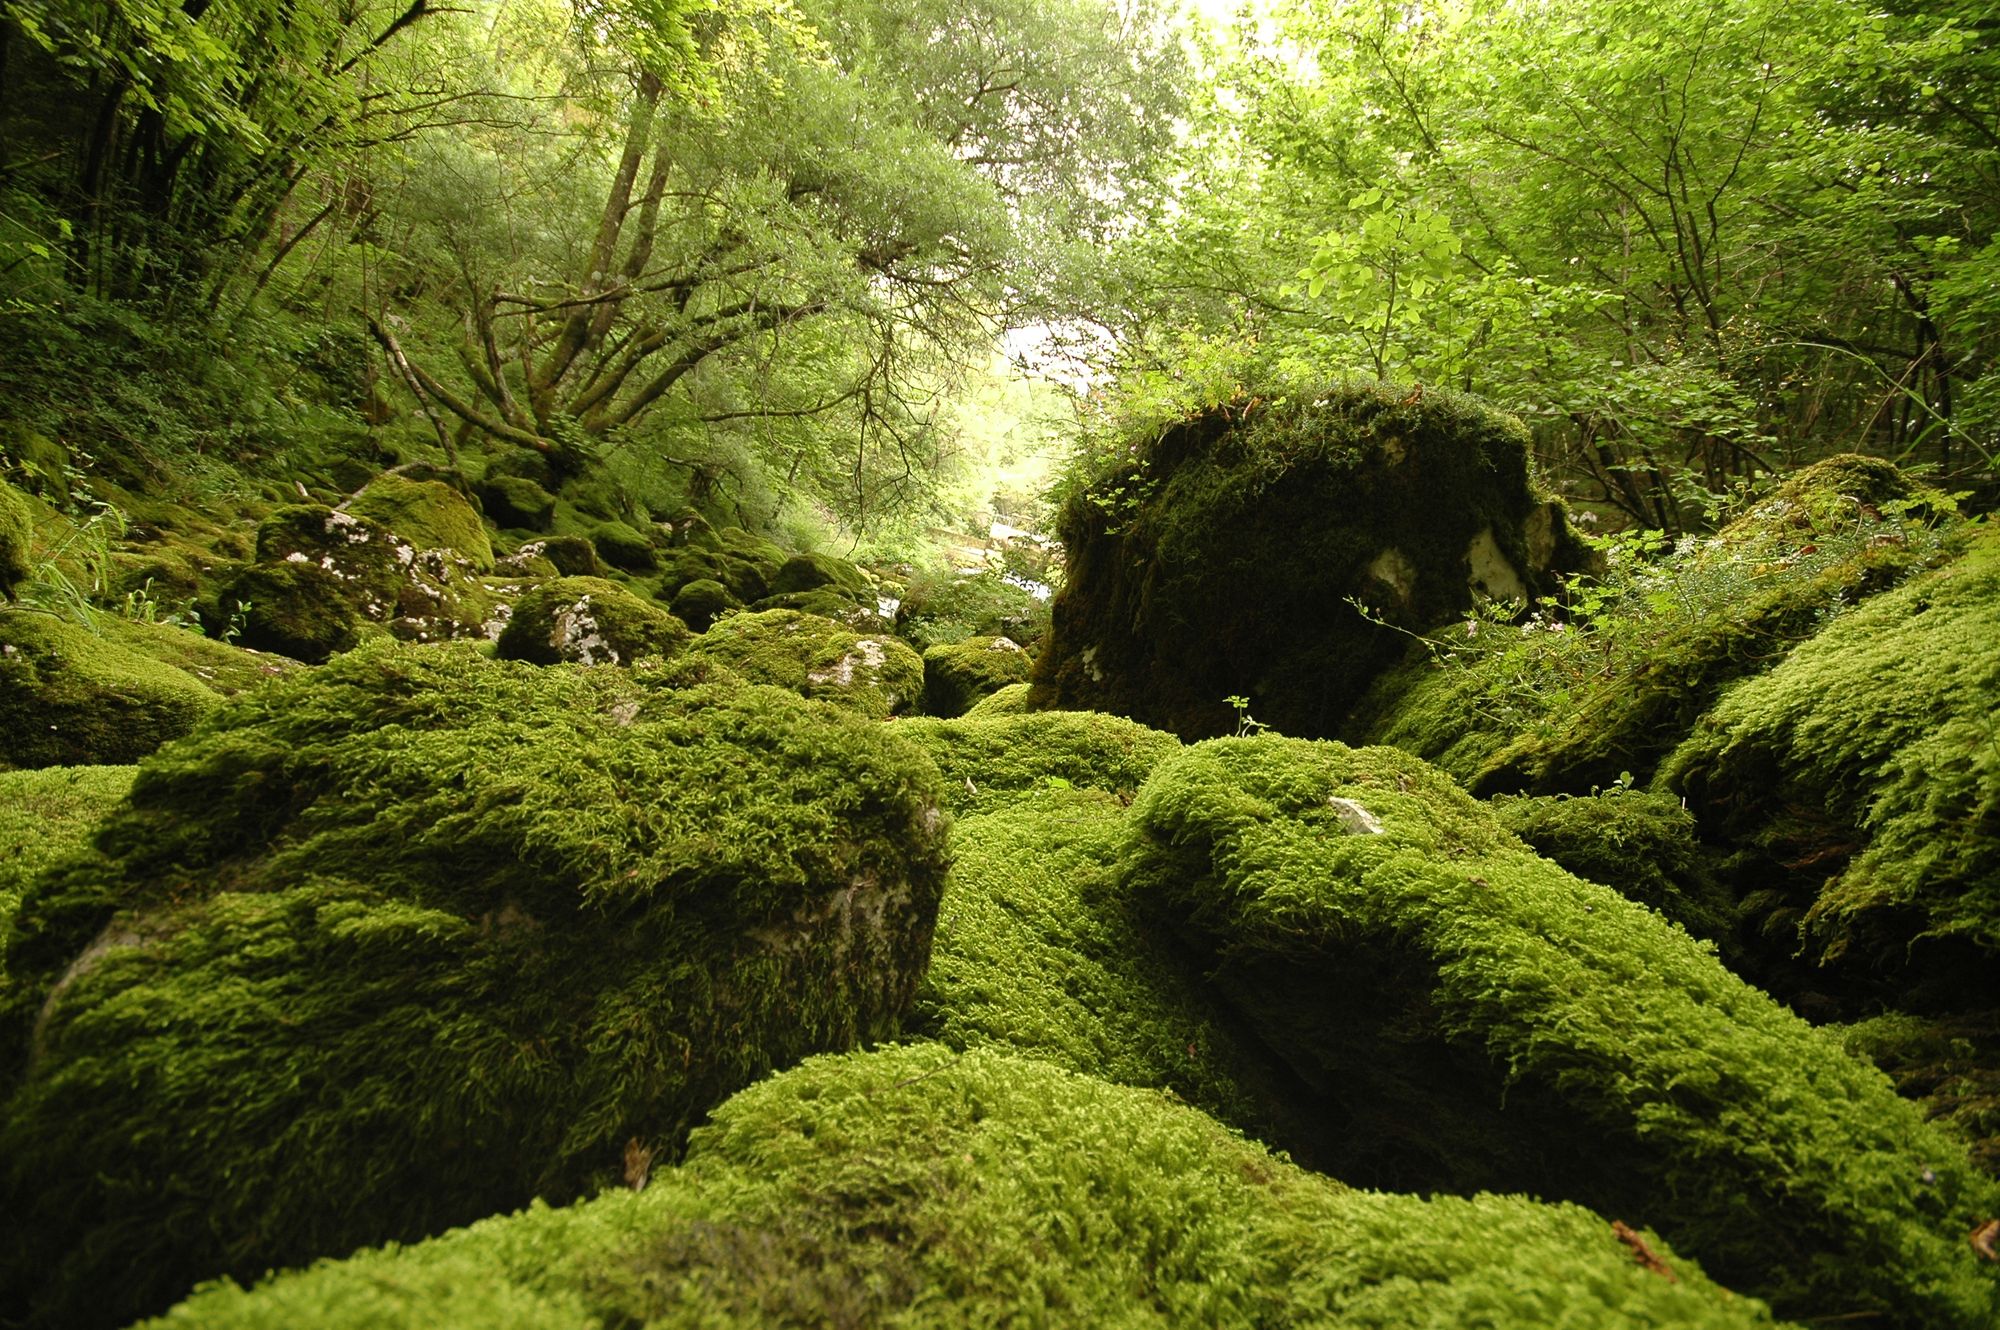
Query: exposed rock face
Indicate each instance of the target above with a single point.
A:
(1222, 560)
(421, 936)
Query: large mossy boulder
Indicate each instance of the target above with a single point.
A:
(17, 539)
(70, 697)
(1463, 1015)
(1858, 782)
(295, 609)
(922, 1187)
(421, 936)
(517, 502)
(368, 559)
(958, 674)
(1576, 701)
(699, 604)
(814, 572)
(588, 621)
(875, 675)
(429, 514)
(1227, 558)
(624, 546)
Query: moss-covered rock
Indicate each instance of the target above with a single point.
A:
(699, 604)
(299, 610)
(1950, 1064)
(517, 502)
(917, 1186)
(1646, 847)
(1221, 561)
(988, 762)
(624, 546)
(429, 514)
(47, 814)
(69, 697)
(423, 935)
(814, 572)
(366, 557)
(745, 581)
(573, 556)
(1469, 1015)
(1565, 704)
(827, 603)
(958, 674)
(17, 538)
(1010, 700)
(760, 552)
(589, 621)
(877, 676)
(1859, 781)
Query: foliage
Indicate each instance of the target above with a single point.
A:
(917, 1186)
(418, 936)
(873, 674)
(939, 608)
(1451, 995)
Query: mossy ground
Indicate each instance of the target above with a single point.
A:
(421, 935)
(875, 675)
(45, 815)
(1471, 1016)
(922, 1187)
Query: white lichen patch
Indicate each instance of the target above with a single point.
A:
(1488, 573)
(868, 657)
(576, 635)
(1353, 818)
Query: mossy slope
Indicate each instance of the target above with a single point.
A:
(423, 935)
(1472, 1016)
(919, 1187)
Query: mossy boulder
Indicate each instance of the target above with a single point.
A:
(1569, 702)
(760, 552)
(827, 603)
(573, 556)
(299, 610)
(814, 572)
(877, 676)
(1858, 782)
(699, 604)
(47, 814)
(588, 621)
(421, 936)
(745, 581)
(17, 539)
(625, 546)
(958, 674)
(1222, 559)
(1469, 1016)
(918, 1186)
(369, 560)
(429, 514)
(1948, 1063)
(988, 762)
(517, 502)
(1008, 700)
(69, 697)
(523, 464)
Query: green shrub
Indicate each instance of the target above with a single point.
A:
(1862, 776)
(69, 697)
(17, 539)
(918, 1187)
(46, 814)
(422, 935)
(430, 514)
(1469, 1016)
(988, 762)
(874, 675)
(958, 674)
(588, 621)
(948, 607)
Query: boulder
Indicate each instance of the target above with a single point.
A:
(624, 546)
(875, 675)
(69, 697)
(958, 674)
(17, 539)
(429, 514)
(421, 936)
(301, 610)
(573, 556)
(588, 621)
(699, 604)
(1282, 553)
(517, 502)
(813, 572)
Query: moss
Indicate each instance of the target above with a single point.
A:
(989, 762)
(17, 538)
(949, 607)
(370, 561)
(699, 604)
(1948, 1064)
(45, 815)
(299, 610)
(622, 546)
(573, 556)
(1560, 708)
(959, 674)
(1009, 700)
(876, 676)
(815, 572)
(696, 564)
(524, 464)
(589, 621)
(915, 1186)
(1471, 1016)
(1220, 561)
(760, 552)
(224, 668)
(69, 698)
(422, 935)
(1643, 846)
(1861, 779)
(430, 514)
(826, 603)
(517, 502)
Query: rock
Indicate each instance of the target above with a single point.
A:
(959, 674)
(422, 936)
(814, 572)
(588, 621)
(295, 609)
(1011, 700)
(988, 763)
(17, 539)
(1222, 560)
(696, 564)
(699, 604)
(990, 1190)
(827, 603)
(623, 546)
(69, 697)
(366, 557)
(877, 676)
(1461, 1015)
(573, 556)
(517, 502)
(429, 514)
